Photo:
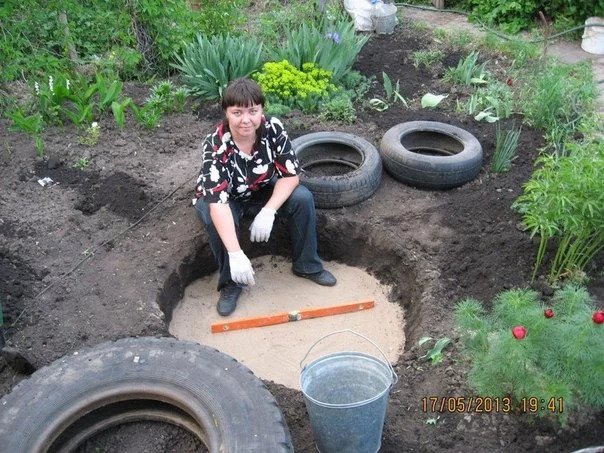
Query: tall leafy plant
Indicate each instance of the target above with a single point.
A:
(333, 46)
(563, 202)
(167, 24)
(208, 64)
(557, 98)
(468, 71)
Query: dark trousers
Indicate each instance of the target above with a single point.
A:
(299, 209)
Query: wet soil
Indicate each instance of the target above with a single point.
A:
(106, 251)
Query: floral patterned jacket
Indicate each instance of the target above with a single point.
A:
(227, 173)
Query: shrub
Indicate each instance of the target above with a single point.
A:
(271, 25)
(338, 109)
(284, 84)
(564, 200)
(545, 358)
(162, 26)
(106, 34)
(332, 46)
(208, 64)
(510, 16)
(356, 85)
(515, 16)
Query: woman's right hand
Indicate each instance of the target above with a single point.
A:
(241, 268)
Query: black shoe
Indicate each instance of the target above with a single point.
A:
(228, 299)
(323, 278)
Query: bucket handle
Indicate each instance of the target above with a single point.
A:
(395, 377)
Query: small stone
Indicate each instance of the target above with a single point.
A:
(120, 142)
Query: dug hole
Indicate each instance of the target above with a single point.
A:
(274, 352)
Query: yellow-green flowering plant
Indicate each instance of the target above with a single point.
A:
(284, 84)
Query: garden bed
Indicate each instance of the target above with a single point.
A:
(78, 268)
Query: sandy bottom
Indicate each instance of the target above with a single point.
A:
(275, 352)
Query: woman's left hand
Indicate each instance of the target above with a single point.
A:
(262, 225)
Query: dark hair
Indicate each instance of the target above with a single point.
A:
(242, 92)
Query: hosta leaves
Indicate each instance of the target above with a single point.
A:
(432, 100)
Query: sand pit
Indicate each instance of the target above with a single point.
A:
(274, 352)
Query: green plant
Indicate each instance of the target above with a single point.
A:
(461, 38)
(378, 104)
(496, 98)
(179, 99)
(440, 34)
(109, 91)
(119, 111)
(564, 200)
(512, 17)
(432, 100)
(339, 109)
(122, 61)
(427, 58)
(526, 351)
(50, 97)
(165, 97)
(284, 84)
(208, 64)
(276, 21)
(392, 91)
(333, 46)
(276, 109)
(356, 85)
(435, 354)
(91, 135)
(30, 124)
(82, 163)
(468, 71)
(506, 143)
(392, 95)
(147, 115)
(167, 24)
(557, 98)
(520, 51)
(33, 39)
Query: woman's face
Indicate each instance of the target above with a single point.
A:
(243, 121)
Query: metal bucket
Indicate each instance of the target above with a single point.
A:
(346, 397)
(384, 20)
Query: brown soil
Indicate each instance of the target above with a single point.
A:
(77, 267)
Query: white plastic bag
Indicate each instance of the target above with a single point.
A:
(360, 11)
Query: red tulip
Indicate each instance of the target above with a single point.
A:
(549, 313)
(519, 332)
(598, 317)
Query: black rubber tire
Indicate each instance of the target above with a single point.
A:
(458, 159)
(336, 191)
(193, 386)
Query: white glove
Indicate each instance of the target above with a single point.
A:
(241, 268)
(262, 225)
